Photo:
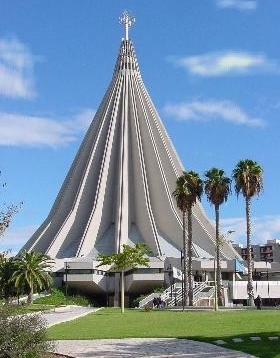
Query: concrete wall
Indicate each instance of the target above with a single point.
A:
(266, 289)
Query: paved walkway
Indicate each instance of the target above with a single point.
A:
(144, 347)
(64, 314)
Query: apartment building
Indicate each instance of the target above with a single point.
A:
(269, 252)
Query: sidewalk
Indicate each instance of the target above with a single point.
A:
(67, 313)
(144, 347)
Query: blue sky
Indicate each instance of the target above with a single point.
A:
(212, 68)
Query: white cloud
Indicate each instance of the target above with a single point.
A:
(226, 63)
(242, 5)
(211, 110)
(14, 238)
(16, 69)
(28, 130)
(263, 228)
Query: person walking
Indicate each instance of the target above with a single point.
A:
(155, 300)
(258, 302)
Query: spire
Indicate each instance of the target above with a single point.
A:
(127, 59)
(127, 20)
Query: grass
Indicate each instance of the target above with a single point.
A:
(55, 299)
(15, 309)
(203, 326)
(263, 348)
(58, 298)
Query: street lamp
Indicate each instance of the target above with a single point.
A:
(66, 278)
(266, 261)
(183, 279)
(169, 271)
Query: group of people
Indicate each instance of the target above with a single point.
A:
(158, 302)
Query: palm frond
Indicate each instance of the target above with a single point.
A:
(248, 178)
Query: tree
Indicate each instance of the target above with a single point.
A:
(7, 287)
(248, 177)
(217, 190)
(6, 216)
(128, 258)
(189, 190)
(7, 213)
(180, 195)
(32, 273)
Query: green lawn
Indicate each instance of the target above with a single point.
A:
(203, 326)
(18, 309)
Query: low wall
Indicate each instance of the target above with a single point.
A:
(266, 289)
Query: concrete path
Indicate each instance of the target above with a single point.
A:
(144, 347)
(65, 314)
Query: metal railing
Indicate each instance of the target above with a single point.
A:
(173, 295)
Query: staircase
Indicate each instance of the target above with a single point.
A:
(173, 295)
(204, 295)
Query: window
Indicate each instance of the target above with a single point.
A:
(85, 272)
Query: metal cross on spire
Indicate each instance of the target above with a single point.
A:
(127, 20)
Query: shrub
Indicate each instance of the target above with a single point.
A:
(58, 298)
(22, 336)
(158, 289)
(135, 301)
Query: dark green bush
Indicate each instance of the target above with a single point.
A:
(22, 336)
(158, 289)
(136, 300)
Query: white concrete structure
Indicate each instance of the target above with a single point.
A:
(119, 187)
(266, 289)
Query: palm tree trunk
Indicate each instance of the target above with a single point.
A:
(190, 279)
(30, 296)
(122, 291)
(250, 289)
(184, 293)
(218, 246)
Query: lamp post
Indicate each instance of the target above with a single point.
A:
(183, 279)
(66, 278)
(235, 268)
(175, 293)
(169, 270)
(266, 261)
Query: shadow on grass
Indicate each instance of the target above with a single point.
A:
(264, 348)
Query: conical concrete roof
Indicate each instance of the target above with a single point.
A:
(119, 187)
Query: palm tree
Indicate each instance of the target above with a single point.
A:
(180, 195)
(189, 189)
(248, 177)
(32, 272)
(217, 190)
